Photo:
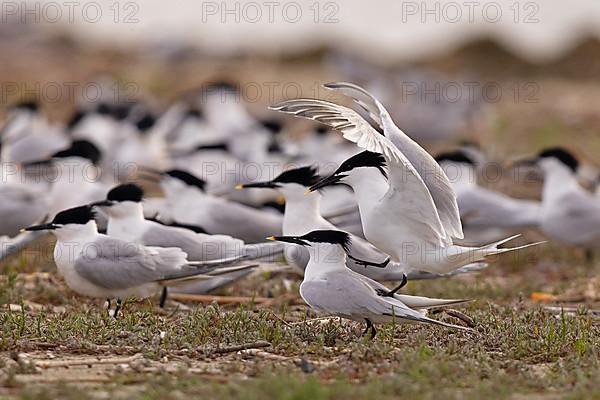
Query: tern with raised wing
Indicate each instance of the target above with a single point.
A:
(407, 205)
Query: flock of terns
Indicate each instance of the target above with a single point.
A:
(386, 210)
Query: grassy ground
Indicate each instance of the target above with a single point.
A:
(54, 344)
(61, 346)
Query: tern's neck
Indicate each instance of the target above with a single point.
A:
(77, 234)
(127, 212)
(369, 186)
(558, 180)
(324, 258)
(301, 212)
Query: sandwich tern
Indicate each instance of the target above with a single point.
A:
(331, 287)
(570, 214)
(486, 215)
(98, 266)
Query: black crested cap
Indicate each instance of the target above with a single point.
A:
(77, 215)
(80, 148)
(146, 122)
(364, 159)
(126, 192)
(454, 156)
(76, 118)
(187, 178)
(562, 155)
(305, 176)
(329, 236)
(272, 125)
(31, 105)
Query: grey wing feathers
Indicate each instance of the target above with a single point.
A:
(204, 273)
(198, 246)
(116, 264)
(351, 296)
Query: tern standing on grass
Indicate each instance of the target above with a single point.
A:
(331, 287)
(95, 265)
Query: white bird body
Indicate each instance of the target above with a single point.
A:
(100, 129)
(78, 182)
(21, 204)
(99, 266)
(570, 214)
(28, 136)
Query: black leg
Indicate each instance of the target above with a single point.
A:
(382, 264)
(371, 327)
(392, 292)
(117, 308)
(163, 298)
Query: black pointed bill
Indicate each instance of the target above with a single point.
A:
(327, 181)
(41, 227)
(289, 239)
(264, 185)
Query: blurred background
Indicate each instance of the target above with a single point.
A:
(511, 77)
(485, 71)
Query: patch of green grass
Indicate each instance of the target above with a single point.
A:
(517, 347)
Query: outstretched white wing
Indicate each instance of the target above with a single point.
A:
(406, 185)
(428, 169)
